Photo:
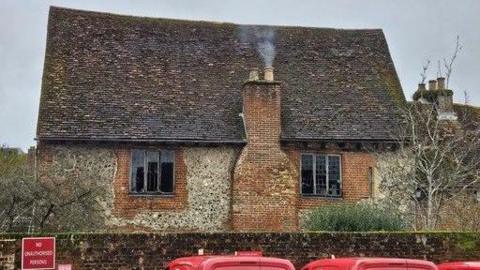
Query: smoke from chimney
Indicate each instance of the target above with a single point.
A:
(263, 38)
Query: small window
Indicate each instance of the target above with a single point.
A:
(321, 175)
(152, 171)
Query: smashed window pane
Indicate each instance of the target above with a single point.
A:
(166, 183)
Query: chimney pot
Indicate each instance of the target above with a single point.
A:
(441, 83)
(421, 86)
(253, 76)
(432, 85)
(269, 74)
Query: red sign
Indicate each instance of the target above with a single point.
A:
(38, 253)
(248, 253)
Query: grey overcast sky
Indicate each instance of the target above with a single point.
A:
(416, 30)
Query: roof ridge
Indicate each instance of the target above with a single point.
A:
(181, 20)
(466, 105)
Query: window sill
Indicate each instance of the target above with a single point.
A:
(162, 195)
(323, 197)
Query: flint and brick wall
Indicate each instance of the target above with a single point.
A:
(204, 196)
(207, 190)
(202, 189)
(154, 251)
(128, 205)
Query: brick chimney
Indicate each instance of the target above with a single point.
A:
(439, 96)
(265, 182)
(432, 85)
(445, 102)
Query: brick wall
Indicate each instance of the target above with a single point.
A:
(7, 253)
(356, 184)
(355, 176)
(265, 186)
(127, 205)
(153, 251)
(463, 212)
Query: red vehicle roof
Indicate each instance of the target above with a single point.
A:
(209, 262)
(459, 266)
(364, 263)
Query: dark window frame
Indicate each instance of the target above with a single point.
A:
(314, 168)
(131, 186)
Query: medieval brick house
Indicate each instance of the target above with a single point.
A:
(166, 116)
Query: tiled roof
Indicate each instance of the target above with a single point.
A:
(119, 77)
(469, 116)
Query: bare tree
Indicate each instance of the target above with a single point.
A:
(29, 205)
(437, 162)
(423, 74)
(448, 64)
(439, 69)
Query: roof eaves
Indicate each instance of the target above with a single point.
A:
(285, 139)
(151, 140)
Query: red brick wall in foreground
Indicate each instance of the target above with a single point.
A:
(154, 251)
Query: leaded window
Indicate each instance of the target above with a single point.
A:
(152, 171)
(321, 175)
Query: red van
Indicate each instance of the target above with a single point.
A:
(459, 266)
(238, 262)
(370, 264)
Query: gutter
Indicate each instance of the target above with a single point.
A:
(336, 140)
(159, 140)
(188, 140)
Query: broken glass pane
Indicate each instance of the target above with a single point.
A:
(167, 171)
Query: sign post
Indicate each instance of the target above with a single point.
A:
(38, 253)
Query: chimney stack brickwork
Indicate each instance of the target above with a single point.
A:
(432, 85)
(268, 74)
(440, 83)
(264, 191)
(439, 96)
(445, 102)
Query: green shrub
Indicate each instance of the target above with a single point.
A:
(354, 217)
